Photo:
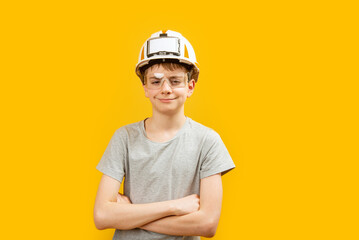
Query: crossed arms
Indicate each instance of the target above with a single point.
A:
(188, 216)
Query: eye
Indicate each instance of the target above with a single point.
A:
(175, 82)
(155, 82)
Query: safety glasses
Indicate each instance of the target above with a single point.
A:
(177, 80)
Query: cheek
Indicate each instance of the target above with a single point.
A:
(153, 94)
(181, 91)
(184, 94)
(149, 92)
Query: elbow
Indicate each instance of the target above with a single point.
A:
(99, 220)
(102, 221)
(209, 228)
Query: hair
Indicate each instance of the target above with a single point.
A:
(168, 64)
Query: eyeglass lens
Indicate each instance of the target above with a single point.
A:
(176, 81)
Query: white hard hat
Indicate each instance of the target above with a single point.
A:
(169, 46)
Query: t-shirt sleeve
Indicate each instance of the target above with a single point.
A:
(216, 156)
(113, 160)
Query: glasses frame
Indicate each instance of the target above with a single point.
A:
(168, 82)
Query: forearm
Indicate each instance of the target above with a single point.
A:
(193, 224)
(129, 216)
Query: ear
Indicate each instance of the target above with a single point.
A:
(191, 85)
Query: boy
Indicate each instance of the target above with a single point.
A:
(172, 165)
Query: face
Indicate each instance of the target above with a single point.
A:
(165, 99)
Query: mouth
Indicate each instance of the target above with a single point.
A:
(166, 99)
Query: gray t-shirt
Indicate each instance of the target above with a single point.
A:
(164, 171)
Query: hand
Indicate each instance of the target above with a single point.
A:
(186, 205)
(123, 199)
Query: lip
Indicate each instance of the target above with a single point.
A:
(166, 99)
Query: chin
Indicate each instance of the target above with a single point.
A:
(167, 109)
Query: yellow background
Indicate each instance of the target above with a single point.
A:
(278, 82)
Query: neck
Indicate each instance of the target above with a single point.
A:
(165, 122)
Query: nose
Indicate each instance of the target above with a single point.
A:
(166, 88)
